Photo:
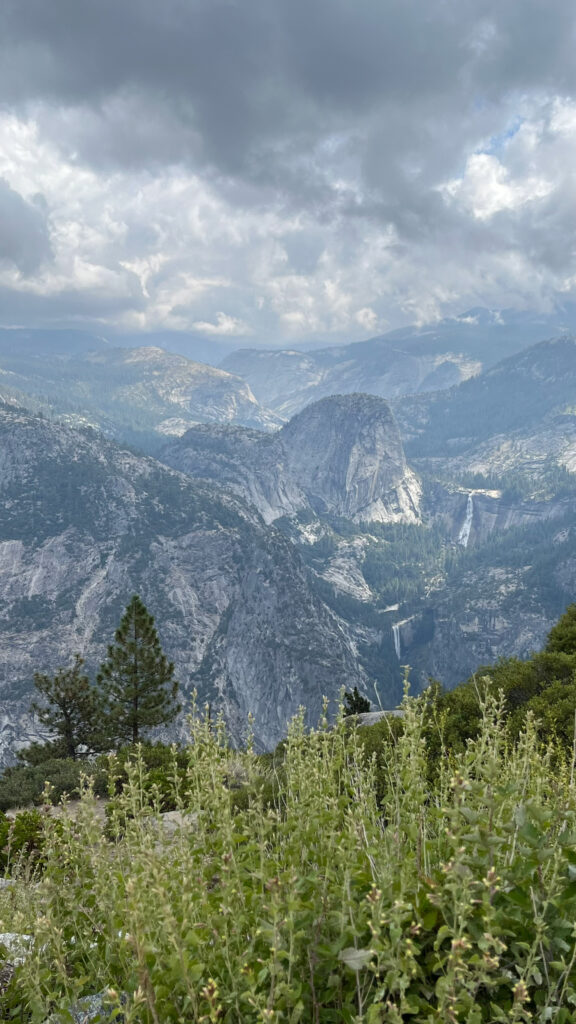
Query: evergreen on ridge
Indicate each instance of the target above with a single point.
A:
(136, 679)
(72, 709)
(355, 703)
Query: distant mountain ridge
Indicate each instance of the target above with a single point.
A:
(410, 360)
(138, 395)
(520, 413)
(48, 343)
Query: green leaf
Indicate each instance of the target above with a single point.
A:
(297, 1012)
(429, 919)
(530, 834)
(569, 892)
(196, 971)
(445, 932)
(355, 959)
(519, 896)
(567, 839)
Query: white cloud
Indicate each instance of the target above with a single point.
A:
(487, 187)
(226, 326)
(367, 318)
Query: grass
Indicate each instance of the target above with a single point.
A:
(451, 900)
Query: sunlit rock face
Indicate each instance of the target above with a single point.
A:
(342, 456)
(347, 456)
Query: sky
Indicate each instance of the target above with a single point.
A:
(284, 171)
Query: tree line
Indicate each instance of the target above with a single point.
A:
(135, 690)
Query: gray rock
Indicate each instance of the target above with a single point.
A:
(17, 946)
(88, 1010)
(372, 717)
(342, 456)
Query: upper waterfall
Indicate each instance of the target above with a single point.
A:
(464, 535)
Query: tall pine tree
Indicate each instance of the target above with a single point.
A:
(137, 680)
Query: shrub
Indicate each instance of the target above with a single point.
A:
(21, 839)
(23, 785)
(455, 901)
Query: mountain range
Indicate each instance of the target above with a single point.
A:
(282, 562)
(138, 395)
(406, 361)
(84, 524)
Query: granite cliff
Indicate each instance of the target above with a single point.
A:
(341, 456)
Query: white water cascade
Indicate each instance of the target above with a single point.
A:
(464, 535)
(396, 635)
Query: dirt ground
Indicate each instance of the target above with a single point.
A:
(71, 808)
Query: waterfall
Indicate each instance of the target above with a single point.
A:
(464, 535)
(396, 635)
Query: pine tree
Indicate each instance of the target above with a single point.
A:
(137, 680)
(562, 636)
(354, 703)
(71, 709)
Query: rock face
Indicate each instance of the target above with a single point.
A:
(473, 517)
(347, 456)
(85, 524)
(342, 456)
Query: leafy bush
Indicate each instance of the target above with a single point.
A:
(162, 765)
(21, 839)
(454, 901)
(23, 785)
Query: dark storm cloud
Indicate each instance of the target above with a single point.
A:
(240, 85)
(332, 143)
(24, 235)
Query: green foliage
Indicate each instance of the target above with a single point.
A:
(137, 680)
(23, 785)
(162, 766)
(454, 901)
(562, 636)
(544, 684)
(21, 837)
(355, 703)
(72, 710)
(39, 753)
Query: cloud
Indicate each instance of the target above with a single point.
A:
(225, 326)
(286, 168)
(487, 187)
(24, 233)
